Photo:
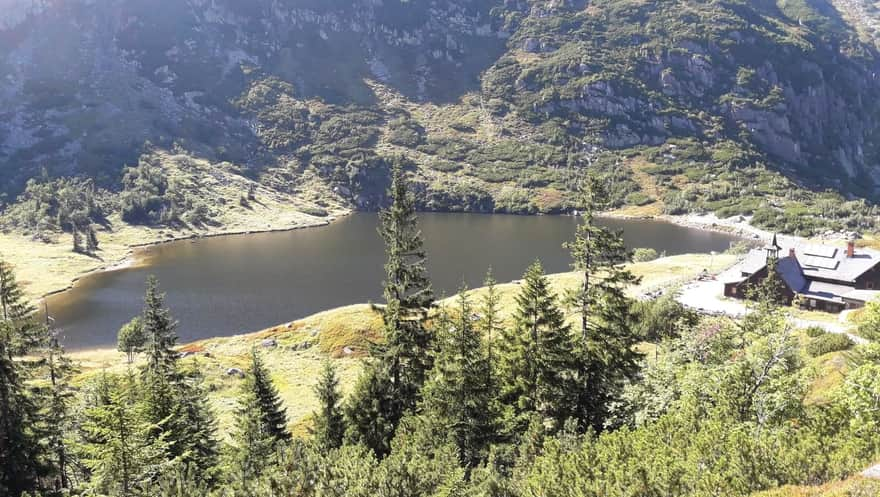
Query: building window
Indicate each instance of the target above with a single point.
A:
(733, 290)
(870, 285)
(813, 303)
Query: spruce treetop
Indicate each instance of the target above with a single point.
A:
(159, 327)
(23, 332)
(260, 383)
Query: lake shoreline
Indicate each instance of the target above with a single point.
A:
(222, 286)
(739, 227)
(131, 259)
(658, 273)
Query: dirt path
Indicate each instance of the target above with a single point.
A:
(872, 472)
(706, 298)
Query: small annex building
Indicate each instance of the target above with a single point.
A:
(819, 277)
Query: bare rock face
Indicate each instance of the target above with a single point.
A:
(810, 109)
(85, 85)
(86, 82)
(235, 372)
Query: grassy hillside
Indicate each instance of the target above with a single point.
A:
(45, 262)
(754, 108)
(294, 351)
(757, 109)
(344, 334)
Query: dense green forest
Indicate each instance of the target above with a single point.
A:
(454, 400)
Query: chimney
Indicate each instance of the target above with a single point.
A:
(850, 249)
(791, 253)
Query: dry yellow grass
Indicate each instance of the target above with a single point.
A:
(649, 187)
(870, 241)
(295, 359)
(852, 487)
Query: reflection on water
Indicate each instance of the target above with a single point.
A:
(229, 285)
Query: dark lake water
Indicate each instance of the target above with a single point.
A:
(230, 285)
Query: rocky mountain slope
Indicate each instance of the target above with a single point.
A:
(752, 107)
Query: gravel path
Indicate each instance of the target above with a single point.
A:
(873, 472)
(705, 298)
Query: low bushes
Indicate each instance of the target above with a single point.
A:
(815, 331)
(644, 255)
(827, 343)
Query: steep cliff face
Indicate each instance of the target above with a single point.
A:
(797, 85)
(489, 98)
(87, 83)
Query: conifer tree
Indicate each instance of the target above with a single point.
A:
(20, 334)
(459, 394)
(121, 452)
(605, 354)
(18, 454)
(535, 355)
(91, 240)
(261, 423)
(329, 425)
(407, 292)
(201, 447)
(402, 362)
(163, 411)
(161, 381)
(765, 300)
(24, 332)
(175, 404)
(273, 413)
(373, 411)
(77, 240)
(159, 327)
(55, 415)
(490, 322)
(253, 446)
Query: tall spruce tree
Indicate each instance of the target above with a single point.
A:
(459, 394)
(20, 334)
(535, 356)
(605, 354)
(261, 423)
(402, 361)
(159, 327)
(91, 239)
(373, 410)
(490, 322)
(407, 292)
(329, 424)
(24, 332)
(161, 381)
(121, 451)
(18, 446)
(272, 409)
(55, 420)
(77, 240)
(175, 403)
(201, 447)
(253, 446)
